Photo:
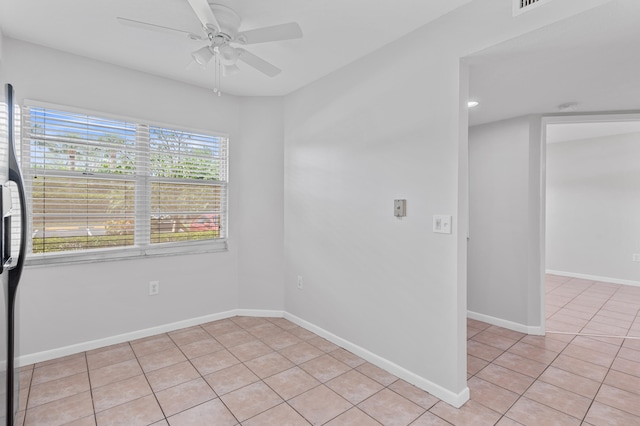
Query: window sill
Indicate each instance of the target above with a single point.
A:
(127, 253)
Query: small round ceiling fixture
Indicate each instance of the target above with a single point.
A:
(472, 104)
(568, 107)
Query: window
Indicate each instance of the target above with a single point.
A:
(112, 187)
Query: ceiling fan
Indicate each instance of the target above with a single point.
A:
(221, 29)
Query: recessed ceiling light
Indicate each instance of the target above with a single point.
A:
(472, 104)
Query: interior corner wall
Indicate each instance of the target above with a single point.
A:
(355, 140)
(593, 207)
(1, 45)
(261, 203)
(2, 78)
(72, 304)
(504, 283)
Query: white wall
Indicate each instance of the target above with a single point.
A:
(504, 276)
(593, 207)
(389, 126)
(73, 304)
(261, 203)
(354, 142)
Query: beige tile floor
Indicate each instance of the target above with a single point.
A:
(265, 371)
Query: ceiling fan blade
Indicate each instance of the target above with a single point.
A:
(205, 14)
(274, 33)
(258, 63)
(158, 28)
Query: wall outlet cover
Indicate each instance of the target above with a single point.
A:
(154, 288)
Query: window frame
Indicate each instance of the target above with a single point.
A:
(141, 181)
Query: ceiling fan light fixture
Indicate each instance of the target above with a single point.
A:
(229, 70)
(228, 55)
(203, 55)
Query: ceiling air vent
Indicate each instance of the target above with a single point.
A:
(521, 6)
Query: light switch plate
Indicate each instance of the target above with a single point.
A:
(442, 224)
(399, 208)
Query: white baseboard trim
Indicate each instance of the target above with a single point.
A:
(258, 313)
(456, 400)
(120, 338)
(527, 329)
(594, 278)
(139, 334)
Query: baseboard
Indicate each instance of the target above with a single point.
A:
(258, 313)
(594, 278)
(454, 399)
(527, 329)
(125, 337)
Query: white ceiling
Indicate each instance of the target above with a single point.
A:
(567, 132)
(336, 32)
(592, 59)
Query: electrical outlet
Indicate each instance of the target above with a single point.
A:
(299, 282)
(154, 288)
(636, 257)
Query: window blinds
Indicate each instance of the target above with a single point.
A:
(95, 182)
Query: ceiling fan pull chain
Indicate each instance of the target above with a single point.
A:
(219, 73)
(215, 73)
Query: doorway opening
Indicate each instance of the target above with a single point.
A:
(592, 221)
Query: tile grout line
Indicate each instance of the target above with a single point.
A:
(609, 368)
(568, 343)
(148, 383)
(261, 379)
(93, 405)
(233, 355)
(298, 366)
(201, 376)
(574, 334)
(573, 299)
(520, 395)
(538, 376)
(26, 404)
(352, 405)
(603, 305)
